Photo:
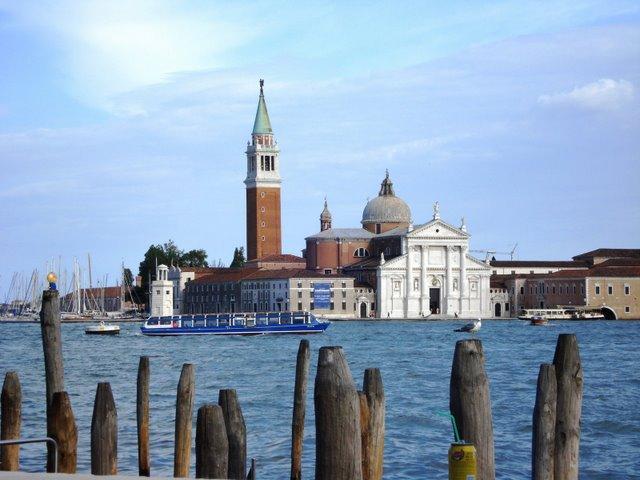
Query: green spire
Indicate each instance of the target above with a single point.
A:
(262, 125)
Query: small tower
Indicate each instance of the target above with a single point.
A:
(325, 217)
(263, 187)
(162, 293)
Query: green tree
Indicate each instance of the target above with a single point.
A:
(238, 258)
(167, 254)
(128, 277)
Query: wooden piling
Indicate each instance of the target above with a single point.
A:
(236, 433)
(365, 434)
(184, 414)
(337, 411)
(104, 433)
(470, 403)
(61, 426)
(252, 471)
(10, 421)
(142, 417)
(568, 407)
(212, 446)
(372, 461)
(299, 407)
(52, 343)
(544, 425)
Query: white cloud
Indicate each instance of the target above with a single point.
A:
(604, 94)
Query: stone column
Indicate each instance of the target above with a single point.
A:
(409, 279)
(463, 277)
(449, 283)
(424, 291)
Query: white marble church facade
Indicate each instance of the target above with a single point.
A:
(435, 275)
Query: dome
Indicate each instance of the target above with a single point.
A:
(386, 207)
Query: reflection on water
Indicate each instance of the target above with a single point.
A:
(415, 359)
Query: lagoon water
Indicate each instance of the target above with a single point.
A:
(415, 360)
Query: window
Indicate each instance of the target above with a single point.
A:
(167, 292)
(299, 305)
(263, 224)
(299, 284)
(377, 228)
(299, 294)
(262, 162)
(597, 289)
(262, 238)
(506, 307)
(396, 285)
(361, 252)
(530, 271)
(262, 209)
(331, 306)
(627, 289)
(344, 294)
(513, 272)
(610, 289)
(582, 289)
(373, 306)
(627, 309)
(344, 284)
(327, 271)
(157, 292)
(311, 306)
(262, 194)
(344, 305)
(574, 289)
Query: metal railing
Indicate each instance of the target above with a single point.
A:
(21, 441)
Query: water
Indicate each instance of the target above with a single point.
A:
(415, 360)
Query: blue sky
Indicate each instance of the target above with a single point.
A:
(123, 124)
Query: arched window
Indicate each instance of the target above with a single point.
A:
(361, 252)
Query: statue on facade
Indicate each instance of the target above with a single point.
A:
(436, 210)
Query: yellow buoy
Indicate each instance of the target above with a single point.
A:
(462, 461)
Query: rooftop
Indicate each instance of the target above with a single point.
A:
(331, 233)
(610, 252)
(538, 263)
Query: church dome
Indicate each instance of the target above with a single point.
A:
(386, 207)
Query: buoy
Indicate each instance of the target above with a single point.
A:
(462, 461)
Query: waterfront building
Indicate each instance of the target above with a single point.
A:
(516, 267)
(414, 270)
(179, 276)
(606, 279)
(263, 187)
(161, 295)
(499, 298)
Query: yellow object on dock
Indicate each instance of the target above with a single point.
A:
(462, 462)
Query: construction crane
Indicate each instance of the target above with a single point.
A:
(488, 254)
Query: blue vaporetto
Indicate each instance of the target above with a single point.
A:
(235, 324)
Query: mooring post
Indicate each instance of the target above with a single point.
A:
(10, 420)
(544, 425)
(337, 411)
(104, 432)
(252, 471)
(568, 407)
(374, 393)
(142, 417)
(236, 433)
(184, 414)
(365, 435)
(61, 426)
(212, 446)
(299, 407)
(470, 403)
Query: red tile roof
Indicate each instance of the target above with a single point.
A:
(224, 275)
(598, 271)
(279, 258)
(610, 252)
(537, 263)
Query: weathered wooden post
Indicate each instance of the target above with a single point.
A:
(470, 403)
(10, 420)
(142, 417)
(184, 414)
(372, 460)
(62, 428)
(252, 471)
(212, 446)
(568, 407)
(236, 433)
(337, 410)
(52, 343)
(104, 433)
(365, 434)
(52, 348)
(299, 406)
(544, 425)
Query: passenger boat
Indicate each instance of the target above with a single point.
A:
(235, 324)
(562, 313)
(102, 329)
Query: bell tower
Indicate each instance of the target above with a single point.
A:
(263, 187)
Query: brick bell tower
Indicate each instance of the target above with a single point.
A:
(263, 187)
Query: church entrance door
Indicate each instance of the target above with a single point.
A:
(363, 310)
(434, 300)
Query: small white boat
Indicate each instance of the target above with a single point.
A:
(102, 329)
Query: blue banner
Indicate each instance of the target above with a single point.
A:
(322, 295)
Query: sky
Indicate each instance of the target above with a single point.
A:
(124, 123)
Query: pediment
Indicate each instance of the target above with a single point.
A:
(437, 229)
(473, 262)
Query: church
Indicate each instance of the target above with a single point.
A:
(415, 270)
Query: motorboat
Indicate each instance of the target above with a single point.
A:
(102, 329)
(539, 320)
